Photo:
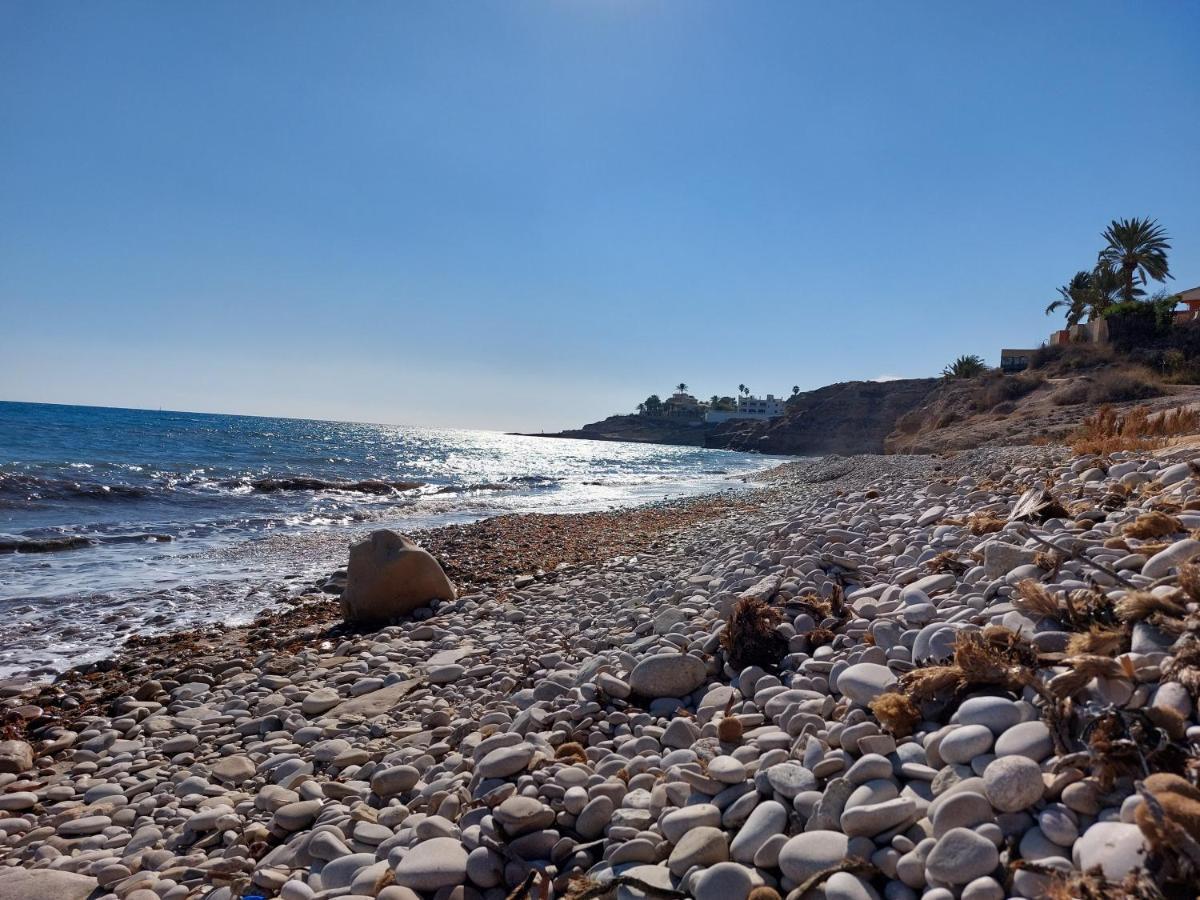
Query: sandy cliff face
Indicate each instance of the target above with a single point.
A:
(852, 417)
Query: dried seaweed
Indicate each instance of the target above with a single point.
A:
(1035, 600)
(981, 523)
(1137, 606)
(896, 712)
(947, 562)
(1098, 641)
(750, 638)
(1154, 524)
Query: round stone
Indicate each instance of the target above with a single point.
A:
(1013, 783)
(807, 854)
(433, 864)
(960, 856)
(667, 675)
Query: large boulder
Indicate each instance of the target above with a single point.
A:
(389, 576)
(45, 884)
(15, 757)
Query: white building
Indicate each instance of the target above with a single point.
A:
(749, 408)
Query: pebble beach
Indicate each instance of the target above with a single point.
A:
(957, 678)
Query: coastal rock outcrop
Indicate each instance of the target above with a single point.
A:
(388, 576)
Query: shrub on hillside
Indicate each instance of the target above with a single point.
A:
(1072, 393)
(1109, 431)
(1122, 387)
(998, 388)
(1072, 357)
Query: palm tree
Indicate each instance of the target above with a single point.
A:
(681, 387)
(795, 389)
(1076, 297)
(965, 367)
(742, 389)
(1136, 249)
(641, 408)
(714, 401)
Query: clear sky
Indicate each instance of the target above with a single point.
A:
(526, 215)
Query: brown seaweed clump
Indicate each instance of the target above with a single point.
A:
(1153, 524)
(896, 713)
(750, 638)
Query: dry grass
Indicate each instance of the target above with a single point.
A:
(1139, 429)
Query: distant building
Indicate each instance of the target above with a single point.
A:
(1191, 299)
(749, 408)
(683, 406)
(1015, 360)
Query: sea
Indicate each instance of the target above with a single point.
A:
(116, 521)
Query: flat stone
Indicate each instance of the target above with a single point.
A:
(394, 780)
(433, 864)
(505, 761)
(767, 819)
(84, 826)
(298, 815)
(319, 701)
(996, 713)
(44, 884)
(667, 675)
(234, 769)
(873, 818)
(863, 682)
(702, 846)
(789, 779)
(679, 822)
(724, 881)
(727, 770)
(961, 855)
(1029, 739)
(809, 853)
(964, 743)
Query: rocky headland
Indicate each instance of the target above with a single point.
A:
(956, 678)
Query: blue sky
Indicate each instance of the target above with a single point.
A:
(527, 215)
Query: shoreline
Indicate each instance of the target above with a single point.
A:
(576, 725)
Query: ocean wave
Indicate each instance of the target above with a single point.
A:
(30, 488)
(76, 542)
(308, 483)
